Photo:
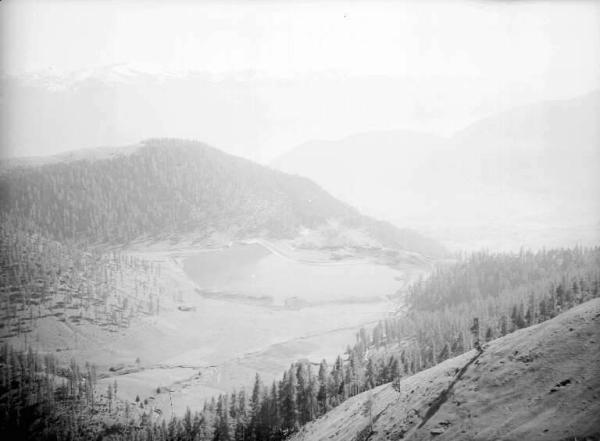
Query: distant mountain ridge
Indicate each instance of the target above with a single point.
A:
(355, 167)
(165, 188)
(532, 165)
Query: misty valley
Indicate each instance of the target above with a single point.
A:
(192, 315)
(300, 221)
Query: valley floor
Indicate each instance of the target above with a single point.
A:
(199, 347)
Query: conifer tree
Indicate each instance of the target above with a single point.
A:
(322, 395)
(289, 410)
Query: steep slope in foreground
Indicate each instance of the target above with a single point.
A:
(539, 383)
(167, 187)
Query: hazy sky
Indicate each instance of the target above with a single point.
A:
(472, 38)
(498, 53)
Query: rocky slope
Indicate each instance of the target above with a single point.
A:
(539, 383)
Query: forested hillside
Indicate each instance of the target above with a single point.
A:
(505, 291)
(438, 326)
(171, 187)
(42, 278)
(483, 275)
(40, 399)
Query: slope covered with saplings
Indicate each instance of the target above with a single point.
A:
(167, 188)
(42, 278)
(539, 383)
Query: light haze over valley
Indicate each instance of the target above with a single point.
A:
(303, 220)
(404, 78)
